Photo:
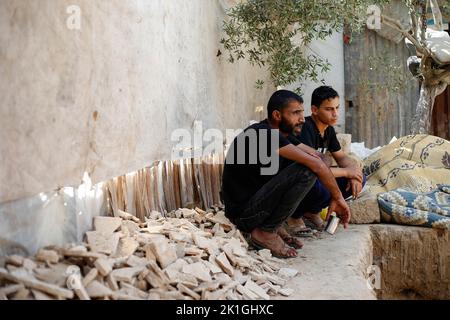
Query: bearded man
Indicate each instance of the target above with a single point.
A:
(268, 172)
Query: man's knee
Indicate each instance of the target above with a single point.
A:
(303, 174)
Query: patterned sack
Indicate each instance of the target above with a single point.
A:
(418, 163)
(427, 209)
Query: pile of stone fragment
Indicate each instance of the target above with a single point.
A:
(186, 254)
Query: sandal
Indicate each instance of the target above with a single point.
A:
(297, 228)
(279, 252)
(300, 231)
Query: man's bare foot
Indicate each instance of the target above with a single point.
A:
(272, 241)
(289, 240)
(315, 219)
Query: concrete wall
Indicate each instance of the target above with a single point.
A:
(105, 98)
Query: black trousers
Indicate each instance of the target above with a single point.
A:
(275, 201)
(319, 197)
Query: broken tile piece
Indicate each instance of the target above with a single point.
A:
(225, 264)
(22, 294)
(287, 273)
(248, 294)
(103, 266)
(112, 282)
(15, 260)
(11, 289)
(21, 276)
(155, 215)
(164, 251)
(56, 274)
(102, 242)
(212, 266)
(286, 291)
(260, 292)
(183, 289)
(107, 224)
(135, 261)
(97, 290)
(265, 253)
(38, 295)
(198, 270)
(91, 275)
(129, 228)
(127, 246)
(126, 274)
(29, 264)
(50, 256)
(186, 213)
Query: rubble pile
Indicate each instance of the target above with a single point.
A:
(187, 254)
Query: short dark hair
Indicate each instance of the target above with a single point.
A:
(321, 94)
(280, 100)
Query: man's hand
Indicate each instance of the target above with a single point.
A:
(354, 173)
(342, 210)
(356, 187)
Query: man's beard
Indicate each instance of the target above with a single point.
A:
(298, 129)
(286, 127)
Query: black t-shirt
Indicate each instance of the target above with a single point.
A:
(252, 160)
(310, 136)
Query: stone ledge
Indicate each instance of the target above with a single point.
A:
(365, 210)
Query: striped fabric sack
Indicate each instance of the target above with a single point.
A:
(405, 207)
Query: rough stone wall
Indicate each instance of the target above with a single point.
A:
(414, 262)
(105, 99)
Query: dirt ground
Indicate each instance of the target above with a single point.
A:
(334, 266)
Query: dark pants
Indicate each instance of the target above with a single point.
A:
(319, 197)
(275, 201)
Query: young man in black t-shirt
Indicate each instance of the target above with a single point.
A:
(319, 134)
(267, 173)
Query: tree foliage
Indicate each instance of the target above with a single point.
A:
(276, 34)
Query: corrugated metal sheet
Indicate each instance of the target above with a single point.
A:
(376, 115)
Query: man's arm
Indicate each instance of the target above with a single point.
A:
(349, 169)
(310, 151)
(325, 176)
(316, 154)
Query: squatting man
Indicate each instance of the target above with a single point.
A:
(258, 196)
(318, 133)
